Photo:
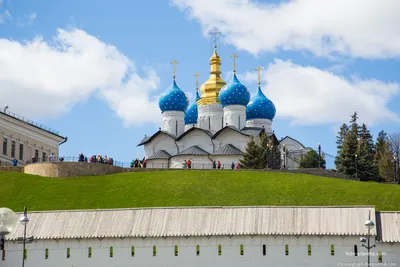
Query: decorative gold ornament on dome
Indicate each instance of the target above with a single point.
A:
(211, 88)
(259, 69)
(197, 80)
(174, 63)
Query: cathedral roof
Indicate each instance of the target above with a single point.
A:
(193, 150)
(173, 99)
(160, 154)
(260, 107)
(228, 127)
(235, 93)
(191, 130)
(228, 150)
(148, 139)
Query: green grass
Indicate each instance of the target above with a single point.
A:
(190, 188)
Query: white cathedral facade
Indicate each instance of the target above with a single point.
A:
(216, 127)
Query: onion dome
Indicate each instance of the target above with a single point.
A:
(234, 93)
(260, 107)
(173, 99)
(192, 114)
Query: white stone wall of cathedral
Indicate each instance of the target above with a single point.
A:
(236, 251)
(198, 162)
(235, 115)
(226, 160)
(173, 122)
(161, 142)
(267, 124)
(157, 164)
(210, 117)
(198, 138)
(189, 126)
(231, 137)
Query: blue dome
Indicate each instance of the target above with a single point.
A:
(192, 114)
(260, 107)
(174, 99)
(234, 93)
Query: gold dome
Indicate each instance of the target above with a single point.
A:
(210, 89)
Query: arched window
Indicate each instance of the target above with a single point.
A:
(380, 257)
(332, 250)
(241, 250)
(309, 250)
(176, 250)
(264, 250)
(89, 252)
(287, 250)
(68, 253)
(154, 251)
(198, 250)
(25, 253)
(355, 250)
(133, 251)
(3, 255)
(219, 250)
(46, 253)
(111, 252)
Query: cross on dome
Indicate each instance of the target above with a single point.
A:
(234, 56)
(174, 62)
(259, 69)
(214, 32)
(197, 80)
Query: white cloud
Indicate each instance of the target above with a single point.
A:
(5, 15)
(357, 28)
(42, 79)
(27, 19)
(307, 95)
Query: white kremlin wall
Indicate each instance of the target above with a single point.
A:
(237, 251)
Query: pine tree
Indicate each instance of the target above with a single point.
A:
(367, 169)
(268, 151)
(349, 148)
(384, 157)
(252, 158)
(312, 160)
(344, 129)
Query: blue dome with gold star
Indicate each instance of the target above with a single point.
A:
(192, 114)
(260, 107)
(173, 99)
(235, 93)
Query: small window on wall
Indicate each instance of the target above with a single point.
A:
(111, 252)
(44, 156)
(133, 251)
(176, 250)
(219, 250)
(3, 255)
(5, 145)
(36, 155)
(21, 152)
(25, 254)
(89, 252)
(154, 251)
(241, 250)
(46, 253)
(287, 250)
(264, 250)
(13, 149)
(309, 250)
(355, 250)
(198, 250)
(68, 253)
(332, 250)
(380, 257)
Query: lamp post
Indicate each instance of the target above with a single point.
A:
(319, 155)
(24, 221)
(284, 156)
(356, 166)
(369, 224)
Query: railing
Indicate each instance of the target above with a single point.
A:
(76, 159)
(39, 125)
(197, 166)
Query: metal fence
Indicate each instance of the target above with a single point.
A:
(76, 159)
(197, 166)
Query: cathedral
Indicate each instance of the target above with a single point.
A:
(216, 128)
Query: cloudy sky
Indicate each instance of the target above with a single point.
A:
(94, 69)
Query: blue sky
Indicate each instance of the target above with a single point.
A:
(93, 69)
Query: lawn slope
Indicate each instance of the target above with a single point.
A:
(190, 188)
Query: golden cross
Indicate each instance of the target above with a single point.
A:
(259, 74)
(174, 62)
(197, 80)
(234, 56)
(214, 33)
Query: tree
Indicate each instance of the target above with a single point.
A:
(367, 169)
(394, 139)
(349, 148)
(252, 158)
(312, 160)
(344, 129)
(384, 157)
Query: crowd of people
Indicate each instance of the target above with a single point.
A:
(139, 163)
(96, 159)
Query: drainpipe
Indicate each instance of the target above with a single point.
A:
(64, 141)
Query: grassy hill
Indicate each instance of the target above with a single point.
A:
(190, 188)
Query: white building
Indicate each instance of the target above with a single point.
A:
(23, 139)
(217, 127)
(206, 236)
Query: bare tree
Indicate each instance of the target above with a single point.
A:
(394, 140)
